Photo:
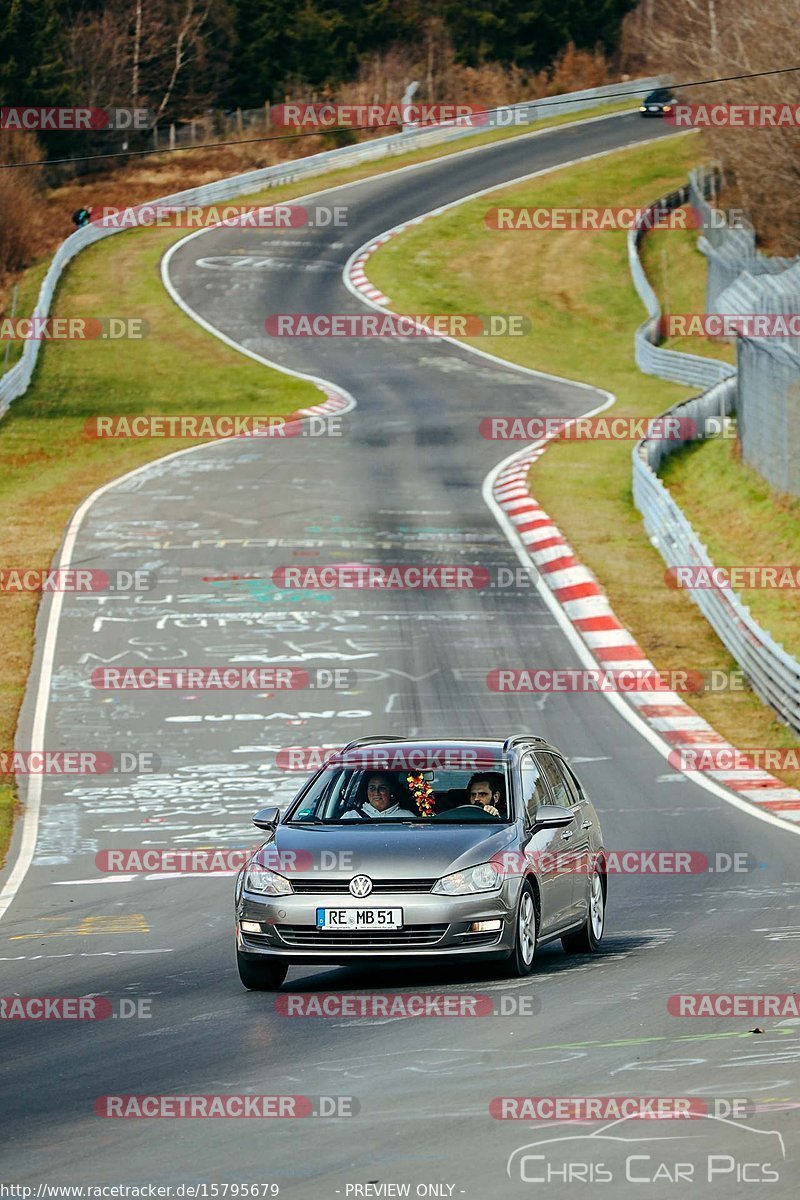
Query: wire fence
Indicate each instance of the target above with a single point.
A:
(741, 280)
(773, 673)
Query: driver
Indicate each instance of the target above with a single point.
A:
(381, 800)
(487, 790)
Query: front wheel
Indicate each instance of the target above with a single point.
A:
(587, 939)
(261, 976)
(520, 960)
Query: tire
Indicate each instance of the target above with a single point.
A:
(261, 977)
(587, 939)
(526, 934)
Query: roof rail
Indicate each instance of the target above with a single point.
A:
(372, 741)
(517, 738)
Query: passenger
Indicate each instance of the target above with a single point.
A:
(381, 800)
(488, 791)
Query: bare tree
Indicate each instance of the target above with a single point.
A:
(137, 50)
(183, 42)
(140, 54)
(706, 39)
(97, 55)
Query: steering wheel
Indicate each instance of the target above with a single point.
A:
(466, 812)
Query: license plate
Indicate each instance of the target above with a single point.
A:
(359, 918)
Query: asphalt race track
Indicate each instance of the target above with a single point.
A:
(402, 485)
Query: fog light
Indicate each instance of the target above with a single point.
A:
(485, 926)
(250, 926)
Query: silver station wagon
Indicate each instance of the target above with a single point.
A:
(399, 850)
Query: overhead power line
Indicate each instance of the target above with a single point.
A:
(547, 101)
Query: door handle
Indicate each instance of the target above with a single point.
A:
(586, 825)
(565, 837)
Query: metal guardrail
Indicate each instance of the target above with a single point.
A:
(17, 380)
(651, 358)
(773, 673)
(743, 280)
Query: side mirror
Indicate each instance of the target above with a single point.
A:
(551, 816)
(267, 818)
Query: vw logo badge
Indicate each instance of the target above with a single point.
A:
(361, 886)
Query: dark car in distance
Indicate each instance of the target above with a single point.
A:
(400, 850)
(658, 103)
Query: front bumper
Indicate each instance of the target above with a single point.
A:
(433, 927)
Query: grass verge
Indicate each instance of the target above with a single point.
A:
(576, 289)
(47, 464)
(710, 482)
(677, 271)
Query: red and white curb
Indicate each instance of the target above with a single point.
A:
(334, 402)
(613, 647)
(356, 271)
(359, 278)
(585, 605)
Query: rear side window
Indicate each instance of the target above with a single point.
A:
(534, 788)
(562, 792)
(572, 780)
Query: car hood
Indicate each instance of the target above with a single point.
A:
(382, 852)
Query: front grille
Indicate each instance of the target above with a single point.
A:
(316, 887)
(410, 935)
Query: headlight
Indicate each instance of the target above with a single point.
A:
(642, 108)
(483, 878)
(667, 108)
(259, 879)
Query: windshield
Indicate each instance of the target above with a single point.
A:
(363, 794)
(659, 97)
